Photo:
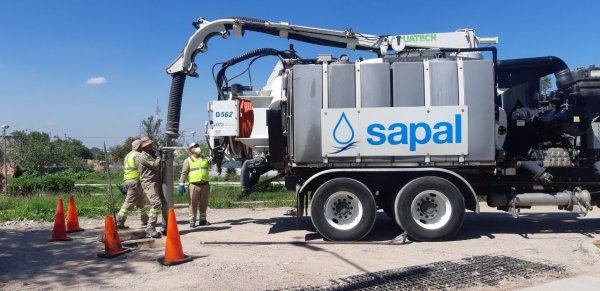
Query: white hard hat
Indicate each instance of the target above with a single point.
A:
(194, 144)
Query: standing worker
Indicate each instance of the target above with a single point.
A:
(150, 181)
(197, 167)
(131, 180)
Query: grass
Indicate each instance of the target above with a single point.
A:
(117, 177)
(227, 197)
(95, 177)
(42, 207)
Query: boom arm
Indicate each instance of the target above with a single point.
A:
(184, 64)
(464, 38)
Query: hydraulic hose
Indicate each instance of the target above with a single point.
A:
(537, 172)
(174, 110)
(241, 58)
(248, 19)
(245, 179)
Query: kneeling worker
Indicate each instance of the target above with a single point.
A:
(197, 167)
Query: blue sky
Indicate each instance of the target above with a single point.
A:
(92, 70)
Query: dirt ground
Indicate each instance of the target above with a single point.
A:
(29, 262)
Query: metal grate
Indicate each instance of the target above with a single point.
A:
(470, 272)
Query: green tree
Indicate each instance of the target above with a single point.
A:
(36, 153)
(97, 154)
(150, 127)
(71, 153)
(118, 153)
(32, 151)
(545, 84)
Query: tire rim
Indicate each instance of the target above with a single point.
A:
(431, 209)
(343, 210)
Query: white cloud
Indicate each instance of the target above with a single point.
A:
(96, 81)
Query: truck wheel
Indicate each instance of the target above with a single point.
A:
(429, 209)
(343, 209)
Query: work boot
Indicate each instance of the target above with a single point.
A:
(163, 230)
(151, 232)
(203, 222)
(121, 222)
(144, 218)
(192, 224)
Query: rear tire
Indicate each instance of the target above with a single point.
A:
(343, 209)
(430, 209)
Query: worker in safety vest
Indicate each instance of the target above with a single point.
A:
(150, 181)
(196, 168)
(131, 180)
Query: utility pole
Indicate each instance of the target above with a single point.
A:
(193, 136)
(4, 127)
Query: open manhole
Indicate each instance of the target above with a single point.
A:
(479, 271)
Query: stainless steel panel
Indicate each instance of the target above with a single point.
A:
(479, 96)
(342, 88)
(307, 103)
(375, 85)
(408, 90)
(444, 82)
(407, 81)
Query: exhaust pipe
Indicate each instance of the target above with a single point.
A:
(577, 200)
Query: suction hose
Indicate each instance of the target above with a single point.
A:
(174, 110)
(530, 68)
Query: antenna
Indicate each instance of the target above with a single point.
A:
(157, 109)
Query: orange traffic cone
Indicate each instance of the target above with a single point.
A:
(59, 233)
(173, 250)
(112, 243)
(72, 220)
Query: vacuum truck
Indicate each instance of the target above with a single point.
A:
(422, 130)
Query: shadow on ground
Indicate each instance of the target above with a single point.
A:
(493, 223)
(27, 259)
(475, 225)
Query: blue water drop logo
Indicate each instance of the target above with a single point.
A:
(344, 130)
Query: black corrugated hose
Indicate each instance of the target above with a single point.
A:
(174, 110)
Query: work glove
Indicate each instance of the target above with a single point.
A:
(181, 189)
